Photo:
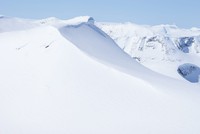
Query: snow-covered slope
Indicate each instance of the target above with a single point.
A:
(68, 76)
(14, 24)
(161, 48)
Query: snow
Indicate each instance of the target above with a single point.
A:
(8, 24)
(161, 48)
(68, 76)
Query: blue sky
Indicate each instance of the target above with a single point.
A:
(183, 13)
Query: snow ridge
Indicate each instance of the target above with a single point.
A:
(69, 76)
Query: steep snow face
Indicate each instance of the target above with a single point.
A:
(112, 55)
(137, 40)
(164, 39)
(64, 77)
(161, 48)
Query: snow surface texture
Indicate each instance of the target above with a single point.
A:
(69, 77)
(161, 48)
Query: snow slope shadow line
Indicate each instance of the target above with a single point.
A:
(94, 42)
(97, 44)
(92, 26)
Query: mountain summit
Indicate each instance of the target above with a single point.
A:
(82, 76)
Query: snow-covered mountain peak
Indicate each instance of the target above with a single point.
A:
(69, 76)
(73, 21)
(8, 24)
(81, 19)
(48, 21)
(17, 24)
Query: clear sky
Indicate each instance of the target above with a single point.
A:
(184, 13)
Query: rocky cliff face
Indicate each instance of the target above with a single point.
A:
(190, 72)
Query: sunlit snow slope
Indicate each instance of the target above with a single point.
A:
(69, 77)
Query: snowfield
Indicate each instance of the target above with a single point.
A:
(72, 77)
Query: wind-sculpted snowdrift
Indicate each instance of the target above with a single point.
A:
(68, 76)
